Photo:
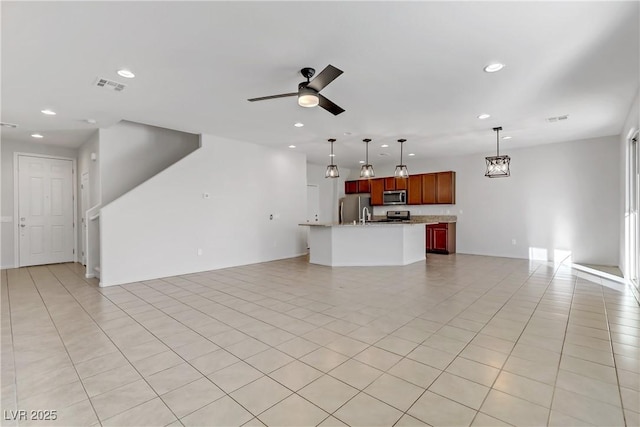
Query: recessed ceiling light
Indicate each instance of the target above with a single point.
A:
(36, 135)
(384, 145)
(361, 162)
(48, 112)
(492, 68)
(507, 137)
(298, 125)
(292, 146)
(412, 154)
(484, 116)
(127, 74)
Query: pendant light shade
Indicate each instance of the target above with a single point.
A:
(498, 166)
(366, 171)
(401, 169)
(332, 170)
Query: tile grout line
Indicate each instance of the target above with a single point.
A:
(29, 271)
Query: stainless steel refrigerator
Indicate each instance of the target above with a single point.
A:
(350, 208)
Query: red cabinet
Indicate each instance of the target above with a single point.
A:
(350, 187)
(377, 188)
(439, 188)
(359, 186)
(364, 186)
(441, 238)
(414, 190)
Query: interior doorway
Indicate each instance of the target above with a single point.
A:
(45, 208)
(634, 215)
(84, 207)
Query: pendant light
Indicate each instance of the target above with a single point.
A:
(497, 166)
(366, 171)
(401, 169)
(332, 170)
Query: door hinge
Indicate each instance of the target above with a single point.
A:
(74, 251)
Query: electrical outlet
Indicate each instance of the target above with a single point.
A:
(206, 195)
(199, 252)
(513, 241)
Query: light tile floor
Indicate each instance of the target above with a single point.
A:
(460, 340)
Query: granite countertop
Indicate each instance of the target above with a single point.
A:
(426, 219)
(373, 223)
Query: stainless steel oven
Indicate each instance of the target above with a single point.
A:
(395, 197)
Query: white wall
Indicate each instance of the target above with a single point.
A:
(561, 197)
(92, 167)
(632, 123)
(131, 153)
(156, 229)
(331, 189)
(7, 256)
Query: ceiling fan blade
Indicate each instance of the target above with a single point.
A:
(282, 95)
(326, 76)
(329, 106)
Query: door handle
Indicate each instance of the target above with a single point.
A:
(23, 225)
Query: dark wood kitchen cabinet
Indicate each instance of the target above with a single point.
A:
(439, 188)
(414, 190)
(350, 187)
(358, 186)
(377, 188)
(364, 186)
(392, 183)
(389, 183)
(441, 238)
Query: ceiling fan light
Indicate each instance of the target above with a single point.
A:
(308, 98)
(366, 171)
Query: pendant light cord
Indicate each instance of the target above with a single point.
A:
(498, 129)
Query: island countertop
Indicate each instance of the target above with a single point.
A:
(373, 244)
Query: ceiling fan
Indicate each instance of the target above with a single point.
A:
(308, 92)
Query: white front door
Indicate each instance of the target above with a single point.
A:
(45, 210)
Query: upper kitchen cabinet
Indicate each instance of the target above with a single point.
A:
(414, 190)
(377, 188)
(350, 187)
(389, 183)
(364, 186)
(392, 183)
(359, 186)
(439, 188)
(446, 188)
(401, 183)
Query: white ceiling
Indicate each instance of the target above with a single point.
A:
(411, 70)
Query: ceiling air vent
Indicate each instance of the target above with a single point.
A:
(8, 125)
(109, 85)
(557, 119)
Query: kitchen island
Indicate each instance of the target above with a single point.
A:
(373, 244)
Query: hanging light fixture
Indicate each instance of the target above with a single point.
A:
(332, 170)
(366, 171)
(401, 169)
(307, 97)
(498, 166)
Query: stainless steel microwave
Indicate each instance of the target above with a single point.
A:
(395, 197)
